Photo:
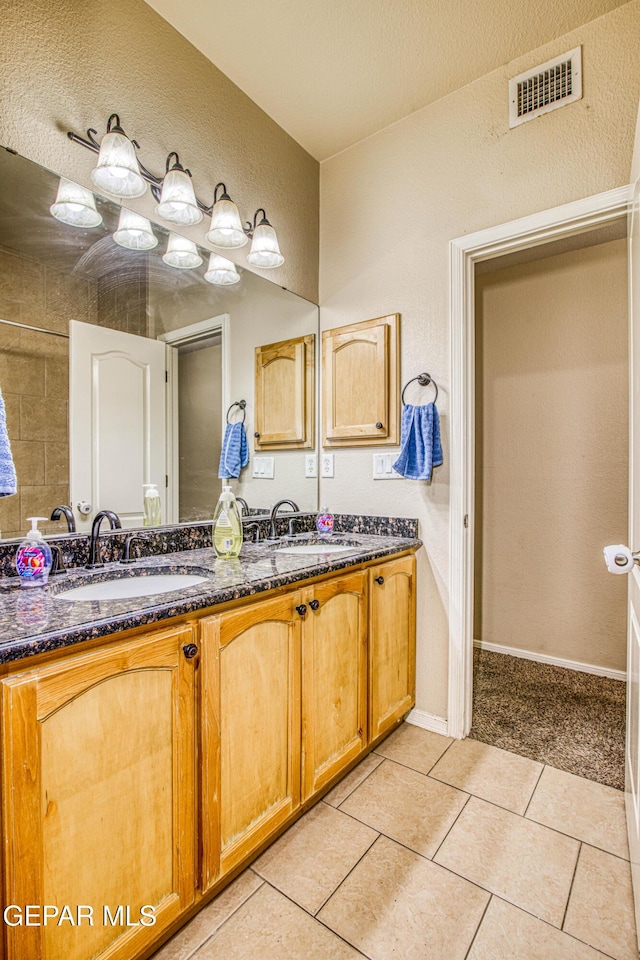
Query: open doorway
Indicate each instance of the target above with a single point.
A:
(196, 404)
(551, 489)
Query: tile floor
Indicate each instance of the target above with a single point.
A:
(433, 849)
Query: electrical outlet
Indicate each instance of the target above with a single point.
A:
(310, 465)
(327, 464)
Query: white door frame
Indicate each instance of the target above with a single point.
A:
(174, 339)
(554, 224)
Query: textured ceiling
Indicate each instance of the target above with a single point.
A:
(331, 72)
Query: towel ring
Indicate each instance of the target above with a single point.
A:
(243, 406)
(424, 379)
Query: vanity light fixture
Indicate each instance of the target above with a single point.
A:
(226, 227)
(182, 253)
(178, 202)
(121, 174)
(265, 251)
(117, 172)
(221, 271)
(75, 205)
(134, 232)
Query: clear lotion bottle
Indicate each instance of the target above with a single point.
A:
(227, 526)
(152, 508)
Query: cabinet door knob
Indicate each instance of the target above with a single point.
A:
(301, 609)
(190, 650)
(314, 604)
(256, 434)
(379, 425)
(380, 580)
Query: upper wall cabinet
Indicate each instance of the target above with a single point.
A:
(360, 380)
(285, 401)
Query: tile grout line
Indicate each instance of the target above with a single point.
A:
(218, 928)
(313, 916)
(358, 785)
(573, 878)
(437, 850)
(348, 874)
(477, 930)
(544, 767)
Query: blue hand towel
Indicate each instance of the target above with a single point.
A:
(420, 448)
(8, 482)
(235, 451)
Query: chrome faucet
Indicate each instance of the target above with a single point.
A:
(245, 506)
(94, 546)
(274, 515)
(68, 515)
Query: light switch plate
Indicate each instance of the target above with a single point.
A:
(264, 468)
(310, 465)
(382, 469)
(327, 464)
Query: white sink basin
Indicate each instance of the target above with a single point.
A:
(122, 588)
(306, 549)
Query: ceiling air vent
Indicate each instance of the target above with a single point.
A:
(547, 87)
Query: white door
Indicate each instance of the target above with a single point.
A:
(116, 421)
(632, 779)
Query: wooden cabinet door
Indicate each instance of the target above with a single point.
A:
(98, 797)
(334, 678)
(392, 640)
(360, 382)
(250, 729)
(285, 398)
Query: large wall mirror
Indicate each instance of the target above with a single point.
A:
(91, 413)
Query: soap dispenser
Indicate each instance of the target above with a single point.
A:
(152, 509)
(34, 557)
(227, 526)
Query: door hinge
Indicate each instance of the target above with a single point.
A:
(166, 376)
(466, 519)
(166, 480)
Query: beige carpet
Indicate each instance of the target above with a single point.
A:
(572, 721)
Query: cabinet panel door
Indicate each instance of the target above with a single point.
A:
(285, 394)
(98, 784)
(392, 632)
(360, 382)
(334, 678)
(251, 729)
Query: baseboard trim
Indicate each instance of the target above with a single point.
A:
(428, 721)
(554, 661)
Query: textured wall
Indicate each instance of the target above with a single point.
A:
(391, 204)
(552, 471)
(68, 64)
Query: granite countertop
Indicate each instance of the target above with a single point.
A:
(36, 620)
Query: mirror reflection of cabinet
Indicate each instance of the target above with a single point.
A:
(361, 383)
(284, 397)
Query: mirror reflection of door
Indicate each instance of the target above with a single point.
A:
(197, 387)
(117, 422)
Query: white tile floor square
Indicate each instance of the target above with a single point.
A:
(433, 849)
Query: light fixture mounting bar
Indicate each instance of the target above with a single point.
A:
(155, 182)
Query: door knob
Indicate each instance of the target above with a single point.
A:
(619, 559)
(301, 609)
(314, 604)
(190, 650)
(84, 507)
(380, 580)
(379, 425)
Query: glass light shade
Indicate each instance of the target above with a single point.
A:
(134, 232)
(178, 200)
(221, 271)
(265, 251)
(182, 253)
(75, 205)
(117, 171)
(226, 227)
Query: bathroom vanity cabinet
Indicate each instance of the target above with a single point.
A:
(149, 770)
